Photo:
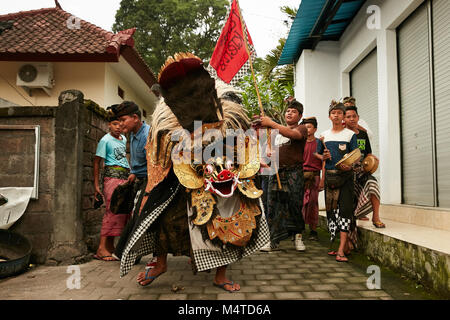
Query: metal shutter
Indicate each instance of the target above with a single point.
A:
(415, 100)
(364, 88)
(441, 42)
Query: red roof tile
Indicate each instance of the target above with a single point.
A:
(46, 35)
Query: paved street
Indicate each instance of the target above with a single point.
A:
(285, 274)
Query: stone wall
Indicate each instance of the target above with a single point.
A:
(16, 167)
(61, 224)
(96, 128)
(428, 267)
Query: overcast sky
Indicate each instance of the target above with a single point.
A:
(263, 17)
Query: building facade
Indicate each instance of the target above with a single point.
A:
(393, 56)
(44, 52)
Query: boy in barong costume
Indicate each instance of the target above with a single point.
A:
(207, 208)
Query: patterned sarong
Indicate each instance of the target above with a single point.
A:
(340, 216)
(113, 224)
(310, 208)
(284, 206)
(366, 185)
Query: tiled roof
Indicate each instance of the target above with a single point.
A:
(52, 34)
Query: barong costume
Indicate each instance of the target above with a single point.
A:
(207, 208)
(339, 188)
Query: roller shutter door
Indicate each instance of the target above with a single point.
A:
(441, 42)
(364, 88)
(415, 109)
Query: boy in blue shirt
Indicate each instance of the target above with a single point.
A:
(111, 149)
(129, 115)
(339, 191)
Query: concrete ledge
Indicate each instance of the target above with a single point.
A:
(420, 253)
(28, 112)
(435, 218)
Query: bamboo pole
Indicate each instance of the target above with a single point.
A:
(261, 109)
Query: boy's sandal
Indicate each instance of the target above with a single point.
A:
(105, 258)
(379, 224)
(340, 258)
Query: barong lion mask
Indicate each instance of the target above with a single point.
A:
(222, 175)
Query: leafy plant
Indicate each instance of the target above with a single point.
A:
(272, 93)
(164, 27)
(275, 83)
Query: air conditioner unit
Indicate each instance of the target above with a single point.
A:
(36, 75)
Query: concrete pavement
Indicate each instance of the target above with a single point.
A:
(284, 274)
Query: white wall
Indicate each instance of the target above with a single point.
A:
(121, 74)
(323, 74)
(316, 83)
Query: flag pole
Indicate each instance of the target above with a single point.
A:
(261, 109)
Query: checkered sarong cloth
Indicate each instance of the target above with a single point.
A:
(365, 186)
(142, 242)
(337, 223)
(209, 259)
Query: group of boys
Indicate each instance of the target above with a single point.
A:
(350, 192)
(159, 224)
(111, 150)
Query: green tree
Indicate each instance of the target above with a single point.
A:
(164, 27)
(272, 94)
(275, 83)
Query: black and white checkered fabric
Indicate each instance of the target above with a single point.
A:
(142, 242)
(333, 226)
(338, 223)
(344, 224)
(209, 259)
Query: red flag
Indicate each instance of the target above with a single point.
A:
(230, 57)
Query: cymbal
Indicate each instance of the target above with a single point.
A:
(349, 158)
(370, 164)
